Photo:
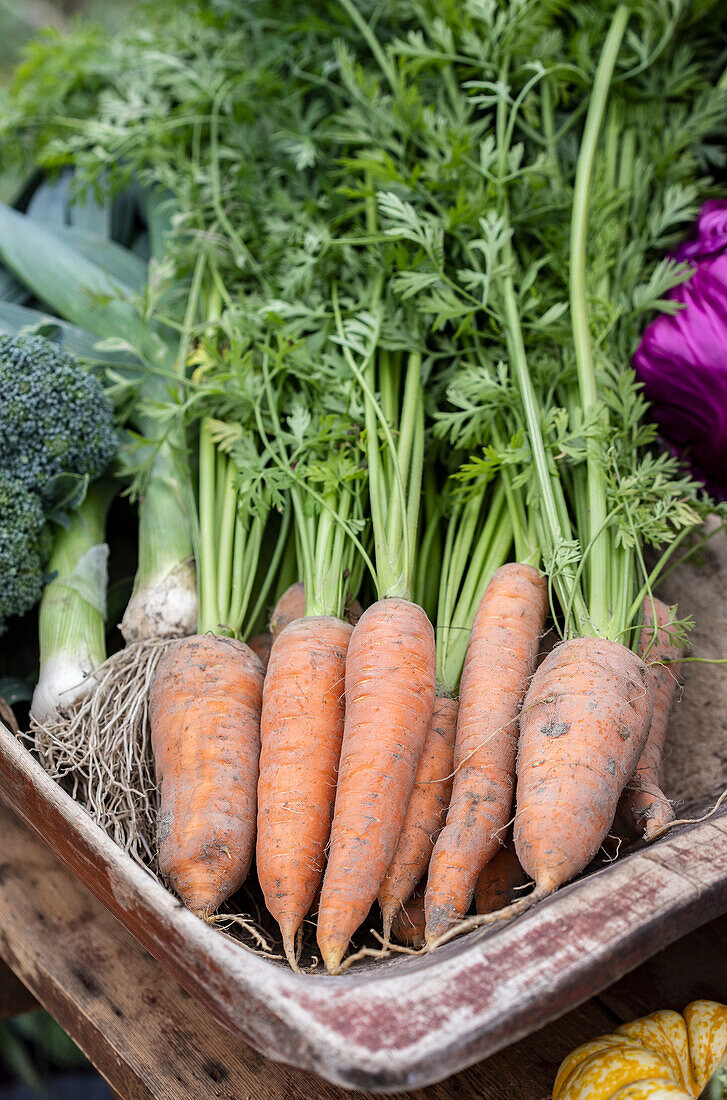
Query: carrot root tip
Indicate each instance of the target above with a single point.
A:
(662, 815)
(439, 920)
(332, 957)
(290, 948)
(488, 920)
(201, 911)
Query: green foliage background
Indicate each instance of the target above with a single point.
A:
(20, 21)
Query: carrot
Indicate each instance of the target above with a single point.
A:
(301, 732)
(261, 644)
(303, 700)
(644, 807)
(389, 705)
(290, 606)
(500, 660)
(390, 669)
(425, 814)
(583, 726)
(354, 611)
(205, 727)
(498, 881)
(408, 923)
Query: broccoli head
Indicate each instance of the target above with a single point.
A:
(56, 418)
(25, 546)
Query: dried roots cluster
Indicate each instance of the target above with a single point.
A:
(99, 749)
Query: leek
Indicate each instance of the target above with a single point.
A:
(72, 627)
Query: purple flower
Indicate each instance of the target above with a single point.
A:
(682, 359)
(711, 234)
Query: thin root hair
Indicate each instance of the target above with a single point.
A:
(100, 750)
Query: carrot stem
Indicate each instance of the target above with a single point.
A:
(237, 568)
(411, 443)
(556, 531)
(600, 552)
(461, 531)
(477, 566)
(394, 465)
(228, 524)
(429, 559)
(251, 541)
(281, 568)
(208, 610)
(393, 552)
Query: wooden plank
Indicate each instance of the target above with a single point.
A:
(150, 1039)
(14, 997)
(411, 1021)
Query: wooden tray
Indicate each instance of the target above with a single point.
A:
(409, 1021)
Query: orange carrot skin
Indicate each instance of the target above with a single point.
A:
(583, 727)
(644, 806)
(301, 731)
(498, 881)
(261, 644)
(290, 606)
(205, 727)
(390, 674)
(500, 660)
(408, 924)
(425, 814)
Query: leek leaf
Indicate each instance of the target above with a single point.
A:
(16, 318)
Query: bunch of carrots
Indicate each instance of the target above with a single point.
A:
(408, 422)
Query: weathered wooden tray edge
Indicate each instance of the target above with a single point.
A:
(416, 1021)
